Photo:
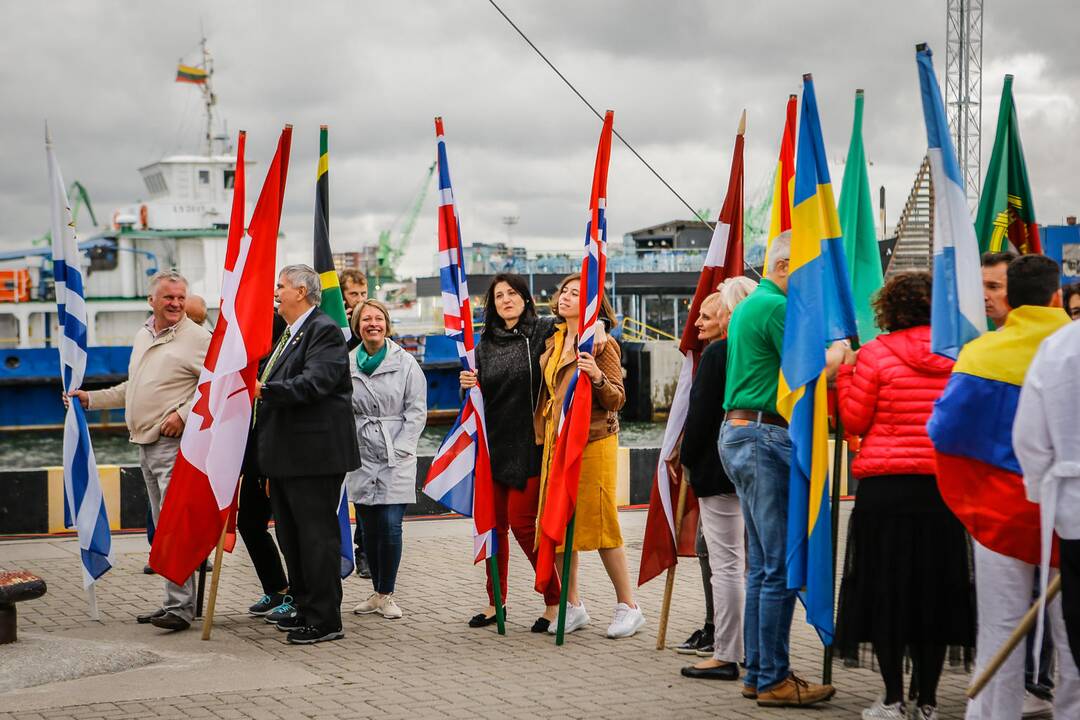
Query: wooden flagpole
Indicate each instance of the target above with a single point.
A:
(215, 576)
(669, 585)
(568, 554)
(496, 582)
(1017, 636)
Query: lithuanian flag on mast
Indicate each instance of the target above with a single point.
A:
(332, 303)
(1006, 219)
(190, 74)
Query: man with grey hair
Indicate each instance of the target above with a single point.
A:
(755, 450)
(305, 441)
(166, 359)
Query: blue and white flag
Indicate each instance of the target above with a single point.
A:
(348, 553)
(84, 504)
(957, 313)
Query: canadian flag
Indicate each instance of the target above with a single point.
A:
(660, 547)
(202, 491)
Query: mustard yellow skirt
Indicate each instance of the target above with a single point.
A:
(596, 518)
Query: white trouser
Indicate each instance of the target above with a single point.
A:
(1004, 585)
(722, 526)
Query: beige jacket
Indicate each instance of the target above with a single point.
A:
(162, 376)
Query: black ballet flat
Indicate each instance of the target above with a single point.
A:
(480, 620)
(541, 625)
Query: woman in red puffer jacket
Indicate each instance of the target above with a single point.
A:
(907, 583)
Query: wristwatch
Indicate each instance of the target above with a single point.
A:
(603, 381)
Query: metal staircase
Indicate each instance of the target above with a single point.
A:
(915, 230)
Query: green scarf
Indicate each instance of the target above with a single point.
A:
(367, 363)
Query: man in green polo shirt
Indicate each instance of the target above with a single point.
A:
(755, 449)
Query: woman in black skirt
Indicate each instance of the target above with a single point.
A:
(908, 585)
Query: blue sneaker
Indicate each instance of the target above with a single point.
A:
(285, 611)
(267, 603)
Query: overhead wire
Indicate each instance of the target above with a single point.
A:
(596, 112)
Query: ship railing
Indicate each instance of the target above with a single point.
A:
(634, 330)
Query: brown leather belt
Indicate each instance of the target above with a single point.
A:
(756, 416)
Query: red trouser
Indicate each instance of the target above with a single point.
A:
(516, 510)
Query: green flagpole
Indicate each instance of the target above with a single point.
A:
(496, 582)
(560, 631)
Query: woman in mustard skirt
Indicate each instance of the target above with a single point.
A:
(596, 526)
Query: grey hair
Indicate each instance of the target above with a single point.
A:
(780, 249)
(170, 275)
(734, 290)
(305, 276)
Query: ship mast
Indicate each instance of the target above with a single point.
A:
(209, 98)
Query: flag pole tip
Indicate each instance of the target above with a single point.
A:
(742, 123)
(1009, 76)
(323, 127)
(793, 96)
(859, 91)
(922, 47)
(808, 77)
(288, 126)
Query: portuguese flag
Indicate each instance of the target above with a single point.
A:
(1006, 219)
(189, 74)
(333, 304)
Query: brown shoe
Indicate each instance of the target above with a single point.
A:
(748, 692)
(795, 692)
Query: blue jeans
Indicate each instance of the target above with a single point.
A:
(382, 543)
(757, 458)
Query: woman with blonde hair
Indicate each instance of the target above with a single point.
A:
(721, 520)
(389, 403)
(597, 520)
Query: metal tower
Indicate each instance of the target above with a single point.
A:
(963, 89)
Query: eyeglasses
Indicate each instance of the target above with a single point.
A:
(1074, 313)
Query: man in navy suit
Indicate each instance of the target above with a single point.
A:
(306, 443)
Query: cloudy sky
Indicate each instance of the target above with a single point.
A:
(677, 73)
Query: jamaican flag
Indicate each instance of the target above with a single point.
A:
(332, 302)
(1006, 219)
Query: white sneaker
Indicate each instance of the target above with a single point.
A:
(576, 618)
(925, 712)
(626, 622)
(880, 711)
(1036, 707)
(389, 608)
(371, 605)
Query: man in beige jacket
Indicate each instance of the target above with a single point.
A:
(166, 359)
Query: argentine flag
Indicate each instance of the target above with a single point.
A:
(957, 314)
(84, 504)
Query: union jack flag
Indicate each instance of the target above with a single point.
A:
(573, 434)
(460, 474)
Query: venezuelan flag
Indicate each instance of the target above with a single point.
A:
(972, 427)
(819, 310)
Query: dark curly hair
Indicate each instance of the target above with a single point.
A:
(903, 302)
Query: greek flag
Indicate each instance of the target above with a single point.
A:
(84, 505)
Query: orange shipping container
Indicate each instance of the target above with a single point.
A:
(15, 285)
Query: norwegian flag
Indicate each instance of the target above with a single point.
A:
(660, 547)
(573, 434)
(460, 474)
(202, 492)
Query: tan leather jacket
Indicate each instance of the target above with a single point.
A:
(558, 367)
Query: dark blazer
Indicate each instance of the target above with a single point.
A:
(304, 421)
(704, 417)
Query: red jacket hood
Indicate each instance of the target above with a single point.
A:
(913, 347)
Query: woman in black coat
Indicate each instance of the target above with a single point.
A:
(508, 370)
(720, 514)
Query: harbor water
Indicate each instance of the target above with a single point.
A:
(19, 450)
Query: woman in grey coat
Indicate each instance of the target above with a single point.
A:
(390, 408)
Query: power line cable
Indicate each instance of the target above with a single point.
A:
(614, 131)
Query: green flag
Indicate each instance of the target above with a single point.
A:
(333, 304)
(1006, 219)
(857, 223)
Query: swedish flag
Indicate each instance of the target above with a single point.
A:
(819, 310)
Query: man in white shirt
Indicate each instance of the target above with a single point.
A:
(1048, 448)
